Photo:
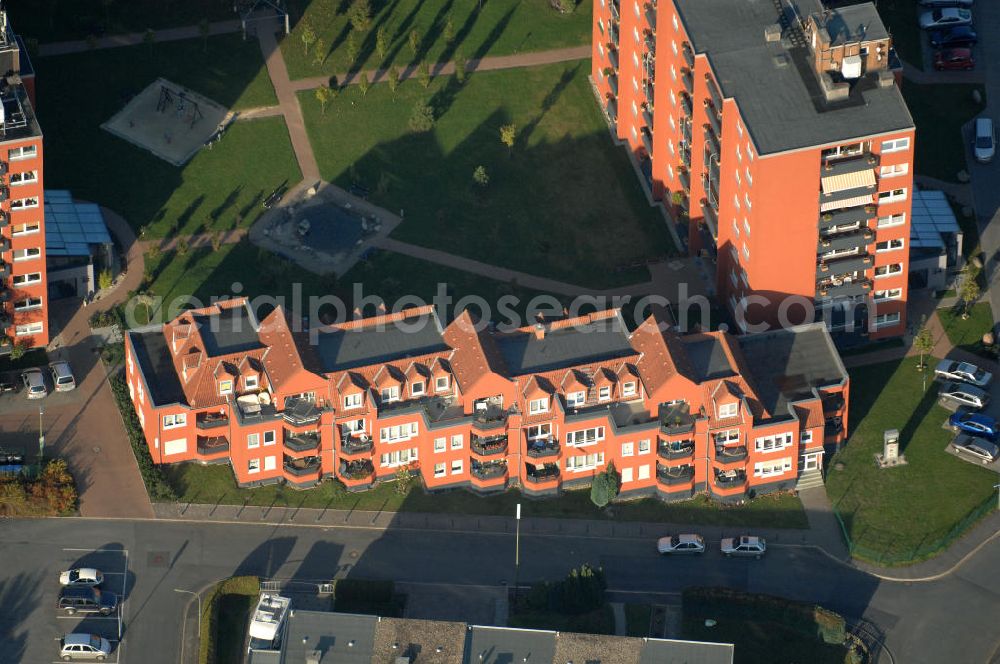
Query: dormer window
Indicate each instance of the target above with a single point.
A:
(728, 410)
(417, 388)
(390, 394)
(352, 400)
(250, 382)
(628, 389)
(604, 394)
(225, 386)
(575, 399)
(442, 383)
(538, 406)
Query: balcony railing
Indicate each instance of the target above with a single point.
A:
(211, 420)
(711, 145)
(208, 445)
(675, 475)
(647, 140)
(301, 442)
(711, 217)
(671, 451)
(356, 470)
(686, 105)
(615, 12)
(836, 267)
(730, 454)
(356, 445)
(685, 155)
(844, 217)
(543, 447)
(613, 34)
(651, 15)
(714, 117)
(650, 44)
(713, 91)
(843, 241)
(710, 194)
(299, 412)
(4, 244)
(687, 79)
(852, 288)
(688, 54)
(489, 470)
(302, 467)
(613, 57)
(613, 84)
(647, 92)
(676, 418)
(540, 474)
(685, 178)
(730, 479)
(4, 270)
(844, 163)
(647, 115)
(488, 446)
(4, 220)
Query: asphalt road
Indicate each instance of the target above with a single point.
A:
(923, 622)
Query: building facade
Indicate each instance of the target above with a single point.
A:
(542, 407)
(23, 298)
(776, 134)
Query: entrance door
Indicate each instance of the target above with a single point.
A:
(810, 462)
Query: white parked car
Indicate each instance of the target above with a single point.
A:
(62, 376)
(965, 395)
(34, 383)
(984, 144)
(84, 646)
(745, 545)
(945, 18)
(83, 576)
(963, 372)
(688, 543)
(978, 449)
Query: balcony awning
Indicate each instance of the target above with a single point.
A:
(856, 180)
(846, 203)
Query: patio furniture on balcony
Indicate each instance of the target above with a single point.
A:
(674, 475)
(543, 447)
(300, 442)
(299, 412)
(356, 470)
(488, 470)
(207, 445)
(676, 418)
(540, 474)
(211, 420)
(730, 454)
(304, 466)
(688, 54)
(488, 445)
(355, 444)
(728, 479)
(678, 449)
(687, 78)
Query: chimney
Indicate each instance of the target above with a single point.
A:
(357, 313)
(314, 657)
(539, 331)
(772, 33)
(885, 78)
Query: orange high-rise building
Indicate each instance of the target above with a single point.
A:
(776, 133)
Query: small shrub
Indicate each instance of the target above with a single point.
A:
(422, 117)
(18, 350)
(360, 14)
(183, 246)
(105, 279)
(157, 487)
(237, 585)
(480, 176)
(424, 74)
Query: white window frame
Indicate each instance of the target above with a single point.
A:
(585, 437)
(398, 432)
(442, 383)
(889, 271)
(24, 203)
(457, 441)
(457, 467)
(895, 145)
(771, 468)
(806, 436)
(440, 444)
(727, 436)
(417, 388)
(645, 446)
(890, 220)
(894, 244)
(888, 294)
(773, 443)
(731, 409)
(604, 393)
(584, 462)
(27, 254)
(27, 177)
(627, 475)
(253, 466)
(892, 196)
(174, 421)
(628, 449)
(440, 469)
(270, 463)
(23, 152)
(894, 170)
(253, 441)
(536, 406)
(887, 320)
(397, 458)
(226, 386)
(575, 399)
(539, 431)
(27, 279)
(629, 389)
(270, 437)
(251, 382)
(353, 400)
(390, 393)
(644, 472)
(28, 303)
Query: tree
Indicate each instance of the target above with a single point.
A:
(351, 47)
(324, 95)
(969, 291)
(18, 350)
(319, 53)
(923, 343)
(145, 298)
(424, 74)
(449, 29)
(381, 42)
(360, 14)
(460, 65)
(204, 29)
(508, 134)
(393, 79)
(404, 477)
(605, 486)
(414, 42)
(183, 245)
(564, 6)
(422, 117)
(480, 176)
(308, 36)
(363, 83)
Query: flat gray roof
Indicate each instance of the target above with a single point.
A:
(669, 651)
(344, 638)
(157, 365)
(347, 349)
(787, 364)
(708, 359)
(232, 330)
(506, 645)
(773, 83)
(524, 353)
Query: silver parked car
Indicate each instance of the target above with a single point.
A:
(62, 376)
(965, 395)
(674, 544)
(84, 646)
(976, 448)
(963, 372)
(745, 545)
(82, 576)
(34, 384)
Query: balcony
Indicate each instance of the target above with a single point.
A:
(356, 470)
(724, 454)
(846, 198)
(834, 426)
(685, 178)
(843, 241)
(712, 146)
(710, 195)
(833, 403)
(714, 117)
(4, 220)
(611, 108)
(4, 194)
(541, 474)
(613, 57)
(613, 84)
(356, 445)
(686, 105)
(730, 479)
(845, 164)
(543, 447)
(675, 475)
(210, 445)
(849, 265)
(4, 270)
(647, 92)
(687, 79)
(672, 451)
(488, 446)
(685, 155)
(647, 140)
(688, 54)
(676, 418)
(489, 414)
(685, 131)
(847, 288)
(300, 412)
(651, 15)
(302, 467)
(4, 244)
(647, 115)
(211, 420)
(845, 217)
(6, 320)
(489, 470)
(648, 68)
(613, 34)
(713, 91)
(302, 442)
(711, 217)
(615, 12)
(650, 42)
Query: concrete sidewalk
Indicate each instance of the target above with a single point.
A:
(136, 38)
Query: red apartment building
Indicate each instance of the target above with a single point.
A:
(541, 407)
(776, 132)
(23, 297)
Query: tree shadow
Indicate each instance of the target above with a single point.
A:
(227, 203)
(550, 100)
(19, 595)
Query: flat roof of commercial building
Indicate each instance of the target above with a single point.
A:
(157, 365)
(230, 330)
(349, 348)
(562, 347)
(72, 229)
(773, 83)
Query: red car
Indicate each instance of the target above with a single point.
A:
(954, 58)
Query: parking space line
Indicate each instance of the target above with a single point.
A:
(86, 617)
(99, 550)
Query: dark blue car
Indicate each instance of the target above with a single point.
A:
(975, 424)
(960, 36)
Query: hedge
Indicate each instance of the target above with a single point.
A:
(157, 487)
(236, 585)
(582, 591)
(369, 597)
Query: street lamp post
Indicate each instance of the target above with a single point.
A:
(41, 436)
(198, 597)
(517, 550)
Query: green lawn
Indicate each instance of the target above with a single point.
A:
(59, 20)
(900, 515)
(900, 17)
(564, 203)
(214, 484)
(234, 610)
(968, 334)
(494, 27)
(637, 618)
(939, 111)
(599, 621)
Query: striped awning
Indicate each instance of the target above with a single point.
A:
(844, 181)
(846, 203)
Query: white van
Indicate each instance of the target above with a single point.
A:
(985, 144)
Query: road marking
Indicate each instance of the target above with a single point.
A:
(84, 616)
(125, 551)
(669, 593)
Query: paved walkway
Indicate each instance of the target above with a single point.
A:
(136, 38)
(922, 77)
(621, 624)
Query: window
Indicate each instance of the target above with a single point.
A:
(538, 406)
(399, 432)
(673, 98)
(888, 270)
(644, 446)
(584, 462)
(628, 389)
(25, 279)
(442, 383)
(739, 128)
(736, 201)
(353, 400)
(736, 229)
(456, 441)
(26, 228)
(626, 475)
(730, 436)
(892, 196)
(768, 468)
(888, 245)
(635, 109)
(575, 399)
(892, 220)
(456, 467)
(604, 393)
(440, 444)
(250, 382)
(417, 388)
(739, 181)
(886, 320)
(26, 177)
(673, 46)
(253, 440)
(225, 387)
(270, 463)
(585, 436)
(390, 394)
(773, 443)
(28, 303)
(174, 421)
(27, 254)
(749, 177)
(628, 449)
(749, 151)
(896, 145)
(746, 225)
(26, 152)
(806, 436)
(398, 458)
(673, 123)
(894, 171)
(890, 294)
(746, 251)
(539, 431)
(439, 470)
(739, 153)
(24, 203)
(676, 25)
(644, 472)
(253, 466)
(269, 438)
(673, 72)
(728, 410)
(746, 199)
(670, 171)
